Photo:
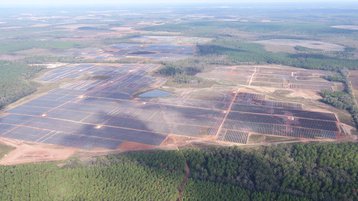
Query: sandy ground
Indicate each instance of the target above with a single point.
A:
(353, 76)
(176, 40)
(73, 27)
(34, 153)
(40, 25)
(123, 29)
(10, 57)
(50, 65)
(34, 51)
(134, 146)
(347, 27)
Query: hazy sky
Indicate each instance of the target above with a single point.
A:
(57, 2)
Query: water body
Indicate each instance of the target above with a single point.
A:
(156, 93)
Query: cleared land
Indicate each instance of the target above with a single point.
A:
(277, 45)
(152, 51)
(353, 76)
(272, 76)
(347, 27)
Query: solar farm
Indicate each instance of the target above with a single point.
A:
(251, 113)
(99, 106)
(101, 110)
(272, 76)
(109, 96)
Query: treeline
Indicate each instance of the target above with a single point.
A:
(210, 28)
(305, 171)
(337, 77)
(175, 71)
(299, 172)
(183, 73)
(239, 52)
(338, 99)
(137, 176)
(345, 99)
(15, 81)
(9, 46)
(189, 67)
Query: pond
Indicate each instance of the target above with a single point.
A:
(156, 93)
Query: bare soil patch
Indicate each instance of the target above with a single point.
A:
(34, 153)
(11, 57)
(347, 27)
(135, 146)
(354, 80)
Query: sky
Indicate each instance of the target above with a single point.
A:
(71, 2)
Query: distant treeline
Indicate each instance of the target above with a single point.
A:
(288, 29)
(239, 52)
(175, 71)
(11, 46)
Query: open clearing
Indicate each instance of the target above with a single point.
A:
(30, 152)
(277, 45)
(353, 76)
(175, 40)
(347, 27)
